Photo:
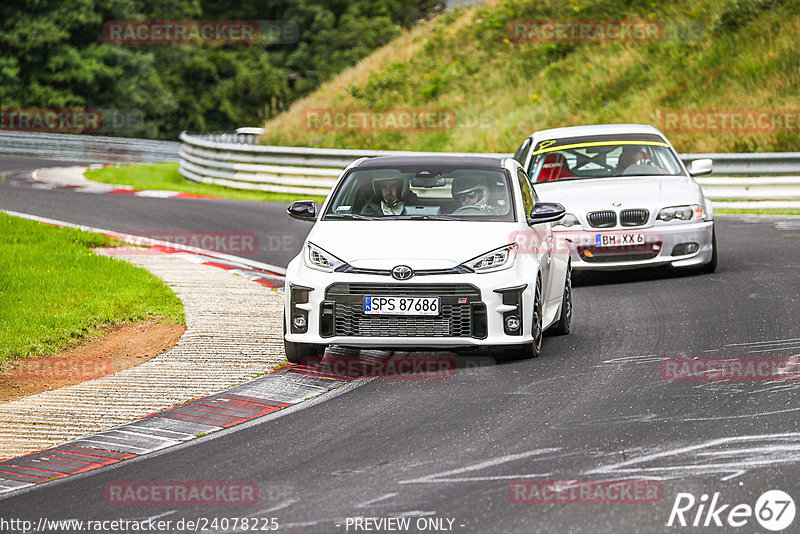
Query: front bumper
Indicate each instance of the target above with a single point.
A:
(658, 249)
(473, 306)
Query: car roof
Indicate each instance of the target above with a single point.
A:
(443, 160)
(597, 129)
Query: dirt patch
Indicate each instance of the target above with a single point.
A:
(121, 347)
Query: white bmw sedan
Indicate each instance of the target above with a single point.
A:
(630, 201)
(424, 253)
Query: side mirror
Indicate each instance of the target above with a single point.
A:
(701, 166)
(544, 212)
(304, 210)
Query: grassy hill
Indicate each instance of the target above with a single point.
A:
(712, 55)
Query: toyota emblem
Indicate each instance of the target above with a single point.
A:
(402, 272)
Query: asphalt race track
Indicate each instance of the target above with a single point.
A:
(593, 407)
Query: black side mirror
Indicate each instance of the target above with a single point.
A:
(304, 210)
(544, 212)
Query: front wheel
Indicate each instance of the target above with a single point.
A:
(301, 352)
(711, 266)
(564, 324)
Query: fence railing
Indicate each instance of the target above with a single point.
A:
(86, 148)
(234, 160)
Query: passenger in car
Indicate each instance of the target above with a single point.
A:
(471, 195)
(392, 194)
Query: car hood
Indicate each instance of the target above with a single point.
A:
(650, 192)
(418, 244)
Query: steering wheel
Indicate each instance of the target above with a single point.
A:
(467, 210)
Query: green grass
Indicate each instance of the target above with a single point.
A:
(165, 177)
(727, 55)
(54, 289)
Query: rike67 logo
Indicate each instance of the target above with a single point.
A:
(774, 510)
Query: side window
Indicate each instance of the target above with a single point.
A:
(527, 191)
(522, 151)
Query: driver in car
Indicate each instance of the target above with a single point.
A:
(634, 157)
(471, 195)
(392, 194)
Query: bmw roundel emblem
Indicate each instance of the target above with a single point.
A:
(402, 272)
(616, 204)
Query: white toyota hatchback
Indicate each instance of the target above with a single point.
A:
(630, 201)
(435, 252)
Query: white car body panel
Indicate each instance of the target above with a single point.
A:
(430, 244)
(653, 193)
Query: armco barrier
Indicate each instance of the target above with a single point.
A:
(86, 148)
(234, 160)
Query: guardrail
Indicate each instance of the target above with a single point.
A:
(86, 148)
(234, 160)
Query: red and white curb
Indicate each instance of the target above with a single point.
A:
(30, 180)
(257, 398)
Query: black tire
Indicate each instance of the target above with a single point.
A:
(711, 266)
(564, 324)
(534, 348)
(301, 352)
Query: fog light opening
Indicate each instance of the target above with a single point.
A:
(299, 321)
(512, 323)
(684, 249)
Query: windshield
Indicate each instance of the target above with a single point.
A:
(577, 158)
(416, 192)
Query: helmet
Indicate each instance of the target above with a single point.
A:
(380, 177)
(468, 187)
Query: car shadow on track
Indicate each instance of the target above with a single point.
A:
(600, 278)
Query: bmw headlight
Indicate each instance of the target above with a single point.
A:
(320, 259)
(494, 260)
(568, 221)
(692, 212)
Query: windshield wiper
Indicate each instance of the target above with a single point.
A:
(349, 216)
(428, 217)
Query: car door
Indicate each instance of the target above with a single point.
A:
(539, 238)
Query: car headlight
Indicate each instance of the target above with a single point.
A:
(494, 260)
(568, 221)
(320, 259)
(692, 212)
